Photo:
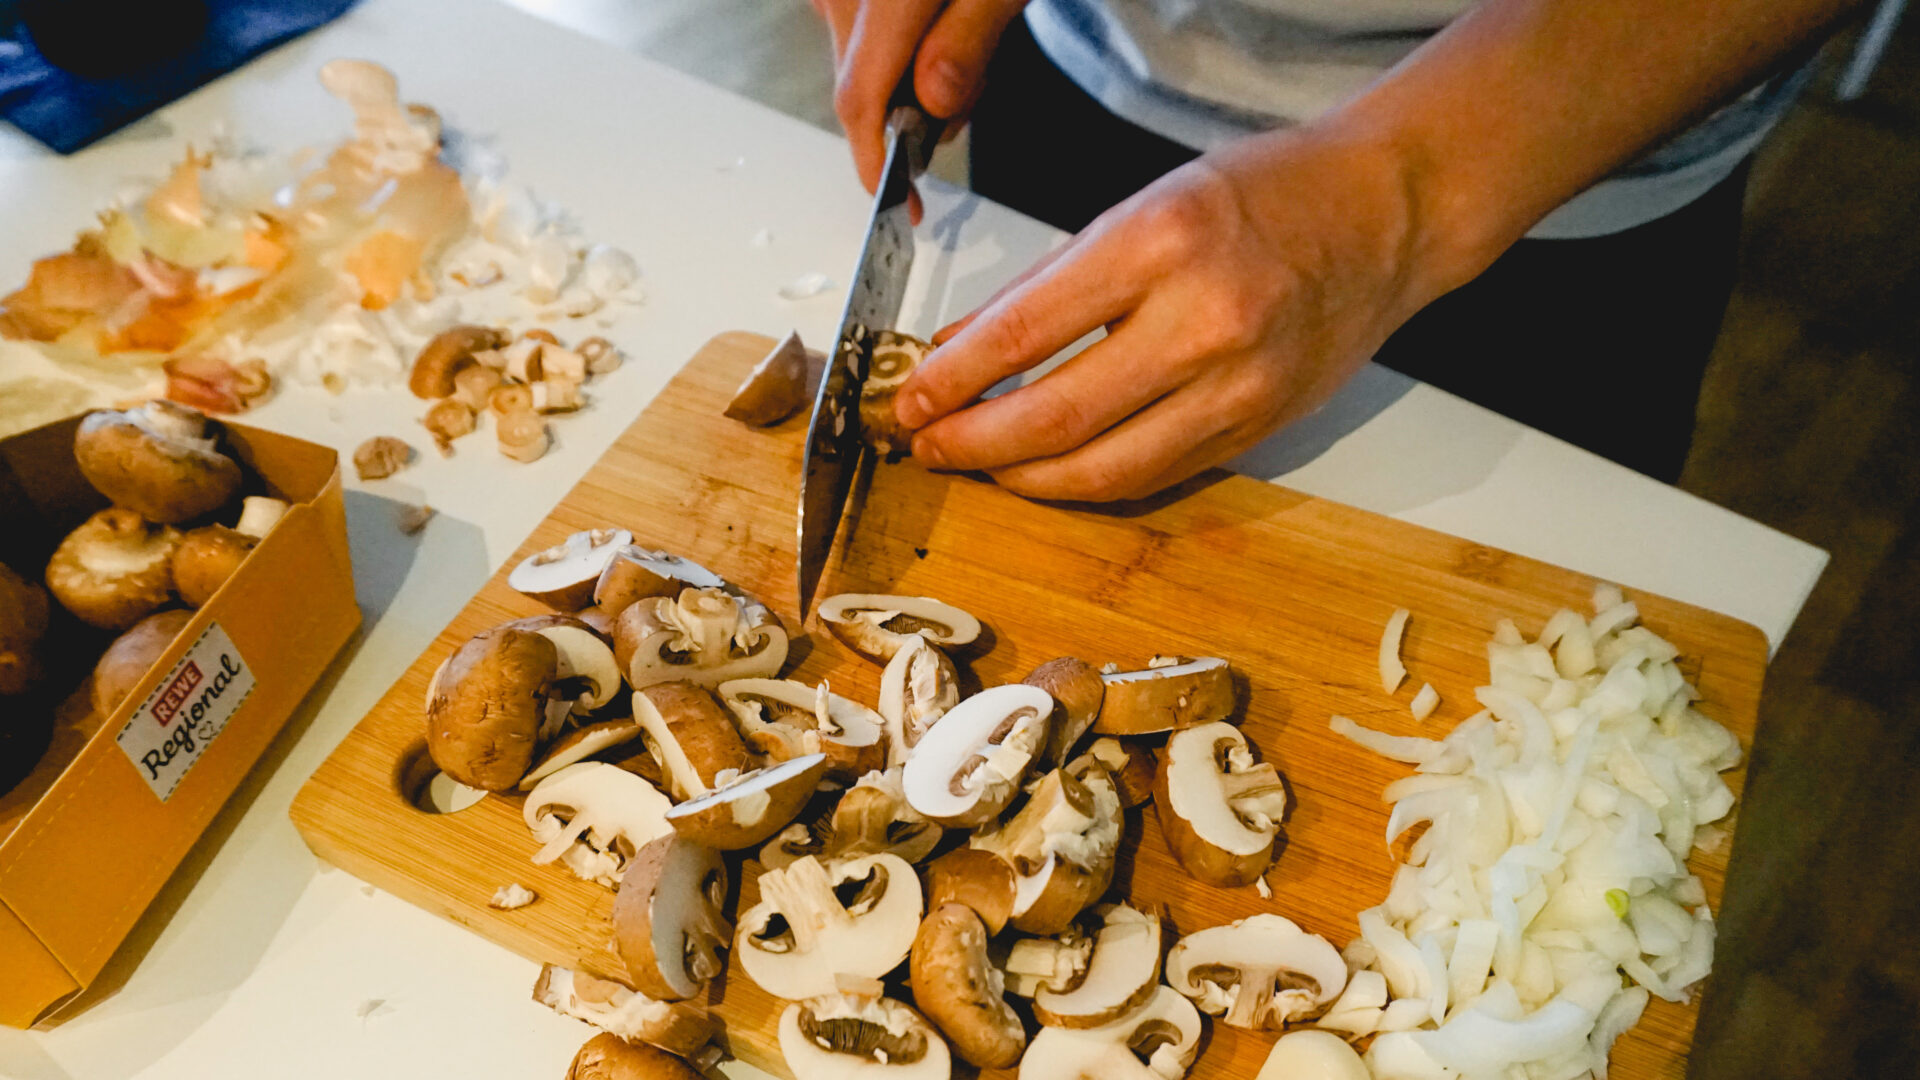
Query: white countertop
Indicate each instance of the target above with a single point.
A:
(271, 964)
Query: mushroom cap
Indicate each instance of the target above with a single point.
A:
(775, 388)
(607, 1056)
(785, 718)
(1062, 845)
(131, 655)
(839, 1036)
(669, 920)
(958, 988)
(158, 460)
(620, 1010)
(1077, 691)
(1121, 974)
(1261, 972)
(563, 576)
(1166, 1029)
(442, 358)
(1166, 698)
(489, 702)
(592, 817)
(875, 625)
(23, 622)
(691, 736)
(968, 767)
(979, 880)
(114, 569)
(752, 807)
(1219, 810)
(578, 745)
(635, 573)
(205, 559)
(1312, 1055)
(918, 687)
(585, 659)
(857, 917)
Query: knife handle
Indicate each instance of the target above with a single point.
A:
(911, 123)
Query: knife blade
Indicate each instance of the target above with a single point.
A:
(836, 448)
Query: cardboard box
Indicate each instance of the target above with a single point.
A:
(89, 837)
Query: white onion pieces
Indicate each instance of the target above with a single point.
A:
(1391, 669)
(1424, 702)
(1559, 820)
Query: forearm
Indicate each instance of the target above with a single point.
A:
(1521, 104)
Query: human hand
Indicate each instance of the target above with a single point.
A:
(947, 43)
(1237, 292)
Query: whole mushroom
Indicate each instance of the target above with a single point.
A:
(158, 460)
(130, 656)
(488, 705)
(114, 569)
(205, 559)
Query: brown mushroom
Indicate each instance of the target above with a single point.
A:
(563, 576)
(746, 808)
(488, 706)
(669, 919)
(1220, 810)
(978, 879)
(894, 357)
(205, 559)
(1133, 768)
(635, 573)
(114, 569)
(159, 460)
(621, 1011)
(23, 622)
(958, 988)
(381, 457)
(1077, 691)
(775, 388)
(607, 1056)
(1165, 696)
(876, 626)
(690, 735)
(131, 656)
(442, 359)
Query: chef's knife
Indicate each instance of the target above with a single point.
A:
(836, 447)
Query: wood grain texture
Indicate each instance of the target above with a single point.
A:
(1293, 590)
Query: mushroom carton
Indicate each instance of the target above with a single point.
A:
(186, 703)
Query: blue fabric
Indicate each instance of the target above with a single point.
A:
(67, 112)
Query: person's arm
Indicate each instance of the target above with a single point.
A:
(1240, 291)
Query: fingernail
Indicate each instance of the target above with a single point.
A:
(913, 409)
(928, 453)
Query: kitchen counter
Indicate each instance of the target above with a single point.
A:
(258, 960)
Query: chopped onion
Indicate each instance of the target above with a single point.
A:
(1424, 702)
(1408, 748)
(1392, 671)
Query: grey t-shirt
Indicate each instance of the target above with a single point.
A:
(1203, 72)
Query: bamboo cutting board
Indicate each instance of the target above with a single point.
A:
(1293, 590)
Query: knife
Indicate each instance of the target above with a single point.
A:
(836, 448)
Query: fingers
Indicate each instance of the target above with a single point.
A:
(880, 45)
(953, 58)
(947, 332)
(1170, 440)
(839, 16)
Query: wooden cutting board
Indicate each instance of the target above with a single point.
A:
(1293, 590)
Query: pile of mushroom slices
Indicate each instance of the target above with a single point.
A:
(471, 372)
(164, 542)
(971, 840)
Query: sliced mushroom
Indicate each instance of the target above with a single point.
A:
(563, 576)
(870, 818)
(606, 1056)
(961, 990)
(918, 687)
(1057, 963)
(1121, 973)
(585, 673)
(775, 388)
(1157, 1041)
(745, 809)
(894, 357)
(876, 626)
(669, 920)
(703, 636)
(594, 818)
(578, 745)
(1262, 972)
(1077, 690)
(783, 719)
(1312, 1055)
(813, 923)
(979, 880)
(1167, 697)
(1133, 768)
(969, 766)
(488, 705)
(114, 569)
(860, 1037)
(131, 656)
(690, 735)
(619, 1010)
(449, 353)
(159, 460)
(1062, 845)
(1219, 810)
(23, 623)
(635, 573)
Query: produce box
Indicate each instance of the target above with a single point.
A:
(97, 811)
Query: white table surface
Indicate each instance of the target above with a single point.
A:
(271, 964)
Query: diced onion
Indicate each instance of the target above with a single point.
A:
(1392, 671)
(1424, 702)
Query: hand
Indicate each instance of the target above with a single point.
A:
(874, 41)
(1238, 293)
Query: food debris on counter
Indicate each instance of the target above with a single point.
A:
(381, 457)
(512, 896)
(412, 519)
(806, 286)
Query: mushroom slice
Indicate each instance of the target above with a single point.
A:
(1133, 768)
(961, 990)
(131, 655)
(838, 1036)
(487, 706)
(1121, 974)
(746, 808)
(690, 735)
(1219, 810)
(442, 359)
(594, 818)
(606, 1056)
(1057, 963)
(876, 626)
(980, 880)
(1077, 690)
(669, 919)
(918, 687)
(563, 576)
(1061, 845)
(1167, 697)
(619, 1010)
(578, 745)
(813, 923)
(635, 574)
(159, 460)
(870, 818)
(968, 767)
(1262, 972)
(115, 569)
(586, 674)
(894, 357)
(784, 718)
(1321, 1055)
(706, 636)
(775, 388)
(1157, 1041)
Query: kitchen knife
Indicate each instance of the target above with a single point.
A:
(836, 448)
